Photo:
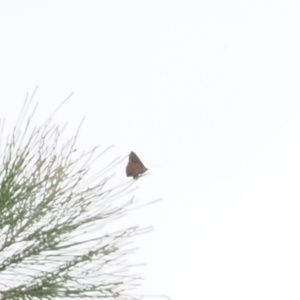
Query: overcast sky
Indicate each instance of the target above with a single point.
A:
(207, 94)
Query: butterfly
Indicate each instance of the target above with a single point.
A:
(134, 167)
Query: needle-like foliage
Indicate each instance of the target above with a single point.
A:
(54, 240)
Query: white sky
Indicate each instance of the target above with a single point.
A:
(207, 94)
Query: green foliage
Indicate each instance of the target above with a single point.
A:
(53, 242)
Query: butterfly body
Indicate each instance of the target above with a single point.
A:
(135, 167)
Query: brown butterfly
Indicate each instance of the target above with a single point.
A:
(135, 167)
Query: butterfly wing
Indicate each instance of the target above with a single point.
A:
(134, 170)
(135, 159)
(135, 167)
